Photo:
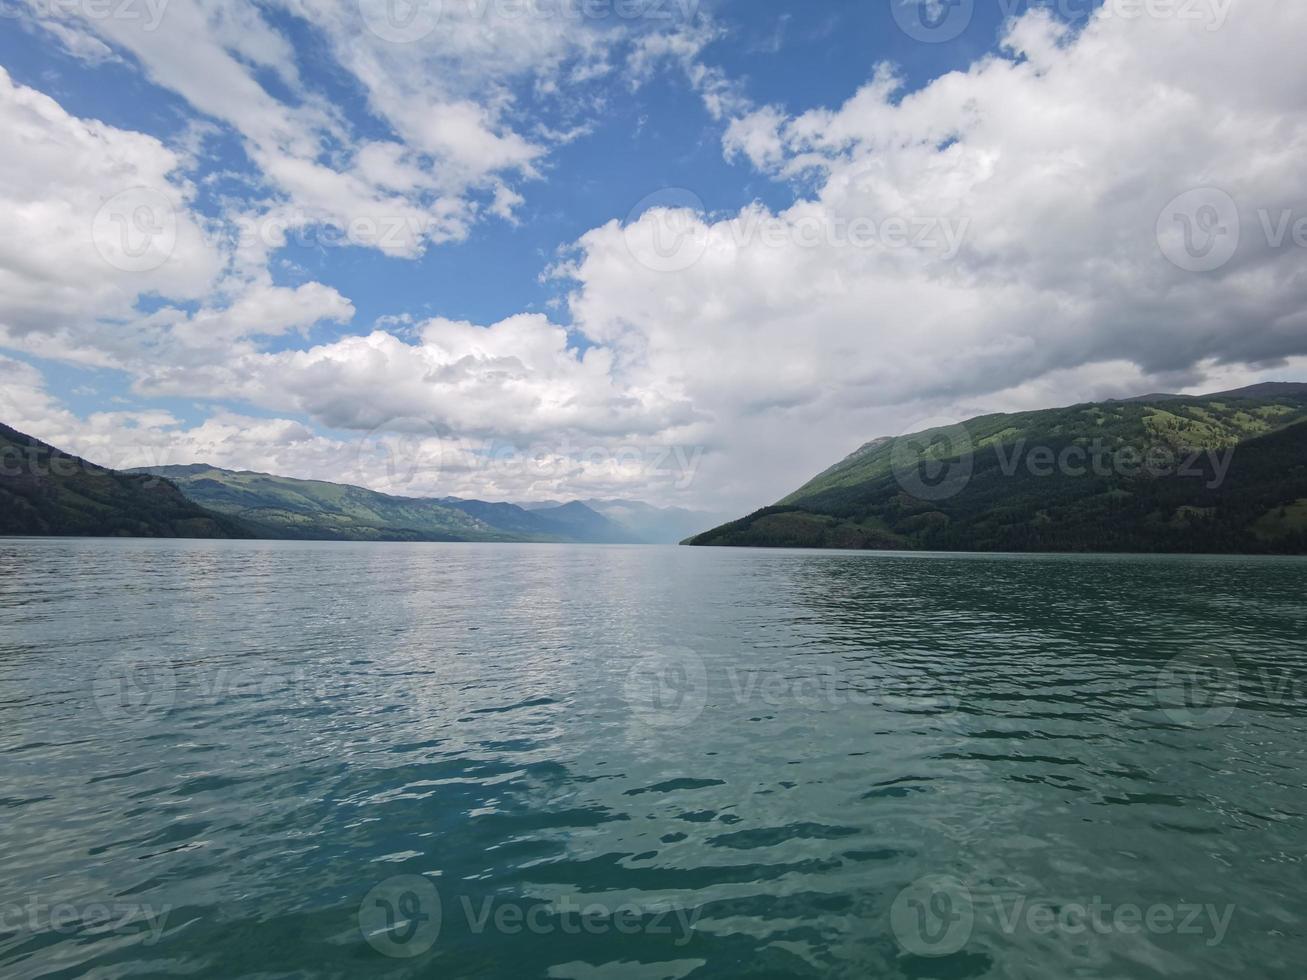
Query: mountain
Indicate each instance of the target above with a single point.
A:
(589, 524)
(1268, 389)
(44, 491)
(655, 525)
(1217, 473)
(281, 507)
(645, 522)
(565, 522)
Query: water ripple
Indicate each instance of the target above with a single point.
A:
(229, 759)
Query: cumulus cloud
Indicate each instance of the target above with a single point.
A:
(59, 177)
(264, 310)
(92, 219)
(516, 380)
(25, 402)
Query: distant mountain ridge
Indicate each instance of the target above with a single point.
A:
(279, 506)
(201, 500)
(1267, 389)
(653, 525)
(1166, 473)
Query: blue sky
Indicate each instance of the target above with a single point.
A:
(523, 139)
(801, 56)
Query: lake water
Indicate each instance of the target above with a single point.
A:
(224, 759)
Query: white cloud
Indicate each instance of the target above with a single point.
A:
(757, 136)
(211, 53)
(25, 404)
(517, 379)
(264, 310)
(57, 175)
(92, 218)
(684, 47)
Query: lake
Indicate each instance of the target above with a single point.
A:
(272, 759)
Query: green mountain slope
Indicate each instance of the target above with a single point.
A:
(1222, 473)
(44, 491)
(281, 507)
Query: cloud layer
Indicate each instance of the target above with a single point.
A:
(1085, 212)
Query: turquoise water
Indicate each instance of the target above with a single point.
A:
(293, 760)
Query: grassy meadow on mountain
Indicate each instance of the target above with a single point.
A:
(1163, 473)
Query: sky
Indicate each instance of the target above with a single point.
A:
(685, 251)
